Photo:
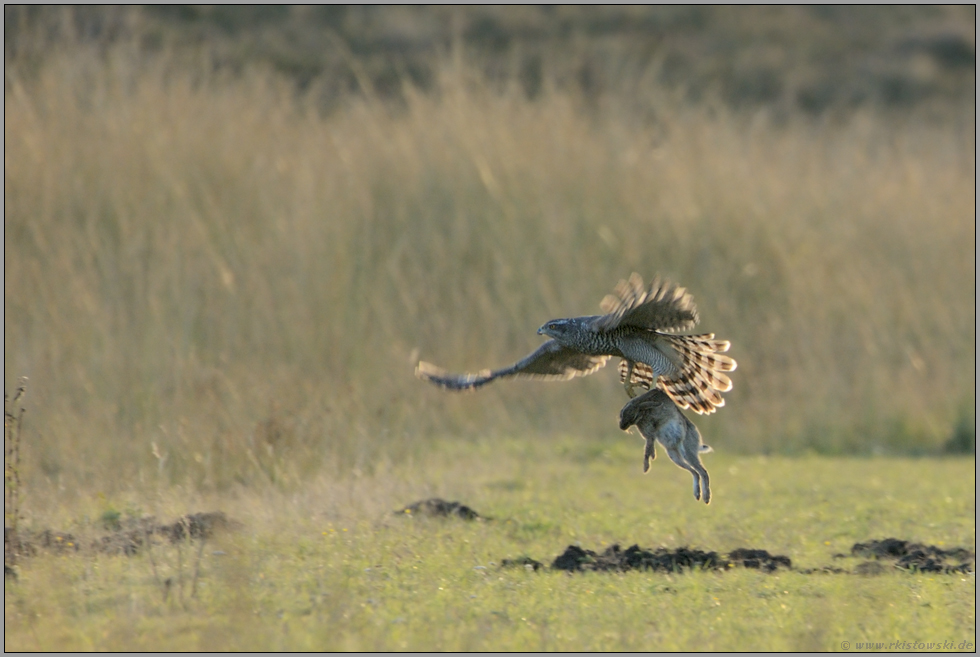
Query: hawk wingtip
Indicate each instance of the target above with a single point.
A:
(426, 371)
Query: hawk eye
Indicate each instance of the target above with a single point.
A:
(552, 326)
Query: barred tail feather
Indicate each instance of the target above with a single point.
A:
(707, 342)
(642, 375)
(703, 349)
(687, 394)
(701, 378)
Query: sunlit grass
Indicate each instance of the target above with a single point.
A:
(331, 567)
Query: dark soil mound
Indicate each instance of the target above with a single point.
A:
(196, 525)
(22, 545)
(914, 556)
(823, 570)
(128, 539)
(761, 559)
(439, 508)
(870, 568)
(664, 560)
(124, 541)
(636, 558)
(906, 555)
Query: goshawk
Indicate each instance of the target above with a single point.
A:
(640, 327)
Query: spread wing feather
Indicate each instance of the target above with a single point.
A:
(664, 307)
(550, 361)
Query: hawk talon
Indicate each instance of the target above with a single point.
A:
(628, 384)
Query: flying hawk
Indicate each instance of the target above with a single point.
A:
(640, 326)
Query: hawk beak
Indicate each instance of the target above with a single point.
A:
(541, 331)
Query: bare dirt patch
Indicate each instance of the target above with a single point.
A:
(911, 556)
(128, 539)
(131, 538)
(904, 555)
(527, 562)
(614, 558)
(760, 559)
(439, 508)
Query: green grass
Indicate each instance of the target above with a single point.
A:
(331, 567)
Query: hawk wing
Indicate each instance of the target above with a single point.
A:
(550, 361)
(664, 307)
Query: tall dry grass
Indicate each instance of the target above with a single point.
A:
(209, 282)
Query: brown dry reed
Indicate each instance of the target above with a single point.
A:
(211, 282)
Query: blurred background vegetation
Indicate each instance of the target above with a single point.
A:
(787, 59)
(231, 232)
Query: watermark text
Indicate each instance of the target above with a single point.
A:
(908, 645)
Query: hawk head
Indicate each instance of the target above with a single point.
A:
(560, 328)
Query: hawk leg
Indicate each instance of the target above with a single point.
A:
(628, 383)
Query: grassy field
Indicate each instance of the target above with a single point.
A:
(218, 288)
(206, 264)
(331, 567)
